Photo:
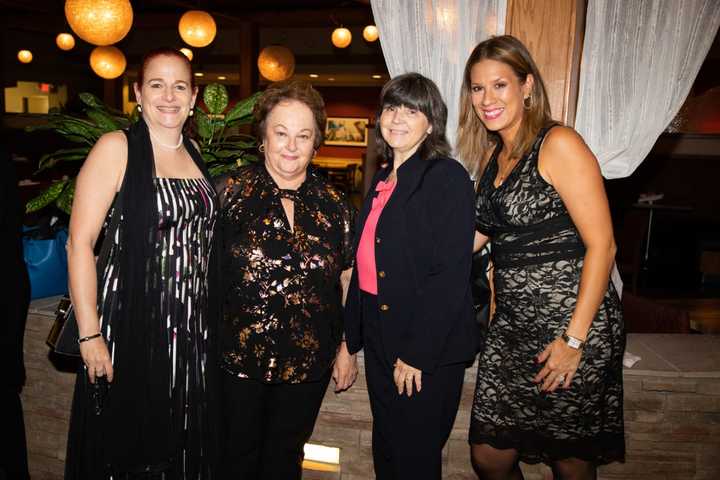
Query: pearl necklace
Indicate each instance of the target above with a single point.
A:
(171, 147)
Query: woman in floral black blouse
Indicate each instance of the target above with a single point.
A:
(287, 256)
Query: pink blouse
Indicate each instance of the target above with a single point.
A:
(367, 273)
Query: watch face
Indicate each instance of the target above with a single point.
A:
(574, 343)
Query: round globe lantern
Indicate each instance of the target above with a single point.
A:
(370, 33)
(107, 62)
(197, 28)
(65, 41)
(100, 22)
(341, 37)
(276, 63)
(25, 56)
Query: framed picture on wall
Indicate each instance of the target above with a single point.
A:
(346, 131)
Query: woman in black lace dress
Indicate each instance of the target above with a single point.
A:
(549, 385)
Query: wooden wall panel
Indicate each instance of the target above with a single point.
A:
(247, 59)
(553, 32)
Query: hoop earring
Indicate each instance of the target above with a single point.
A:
(528, 105)
(139, 108)
(261, 148)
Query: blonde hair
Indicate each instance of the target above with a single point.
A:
(474, 141)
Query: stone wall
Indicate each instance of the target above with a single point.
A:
(672, 414)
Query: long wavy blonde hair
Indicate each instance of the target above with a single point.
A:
(473, 140)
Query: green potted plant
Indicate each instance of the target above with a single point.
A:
(222, 146)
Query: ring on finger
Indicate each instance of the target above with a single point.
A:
(560, 378)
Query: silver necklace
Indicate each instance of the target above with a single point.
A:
(171, 147)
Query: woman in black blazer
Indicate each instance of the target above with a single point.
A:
(409, 302)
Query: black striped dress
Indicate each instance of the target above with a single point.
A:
(182, 243)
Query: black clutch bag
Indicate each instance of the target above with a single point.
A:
(63, 336)
(481, 293)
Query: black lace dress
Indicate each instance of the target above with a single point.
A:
(538, 258)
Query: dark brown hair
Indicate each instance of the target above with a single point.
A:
(163, 52)
(415, 91)
(474, 140)
(298, 90)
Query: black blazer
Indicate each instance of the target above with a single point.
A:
(423, 246)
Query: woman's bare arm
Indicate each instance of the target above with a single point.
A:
(569, 165)
(574, 172)
(95, 188)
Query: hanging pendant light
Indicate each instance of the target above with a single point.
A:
(187, 52)
(197, 28)
(25, 56)
(370, 33)
(100, 22)
(65, 41)
(276, 63)
(341, 37)
(107, 62)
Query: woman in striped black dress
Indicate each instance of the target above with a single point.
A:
(144, 395)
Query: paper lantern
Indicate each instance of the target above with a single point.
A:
(187, 52)
(341, 37)
(65, 41)
(107, 62)
(370, 33)
(25, 56)
(100, 22)
(276, 63)
(197, 28)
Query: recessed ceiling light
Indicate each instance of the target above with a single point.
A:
(331, 79)
(222, 77)
(314, 75)
(199, 74)
(377, 76)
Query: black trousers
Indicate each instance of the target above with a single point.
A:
(408, 432)
(266, 427)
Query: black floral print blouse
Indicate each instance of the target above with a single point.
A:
(282, 312)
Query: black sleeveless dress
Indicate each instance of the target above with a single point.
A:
(538, 258)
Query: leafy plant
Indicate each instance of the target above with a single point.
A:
(222, 146)
(99, 119)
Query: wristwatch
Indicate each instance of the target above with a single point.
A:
(573, 342)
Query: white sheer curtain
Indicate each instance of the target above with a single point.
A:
(640, 59)
(434, 38)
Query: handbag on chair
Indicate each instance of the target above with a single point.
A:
(45, 258)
